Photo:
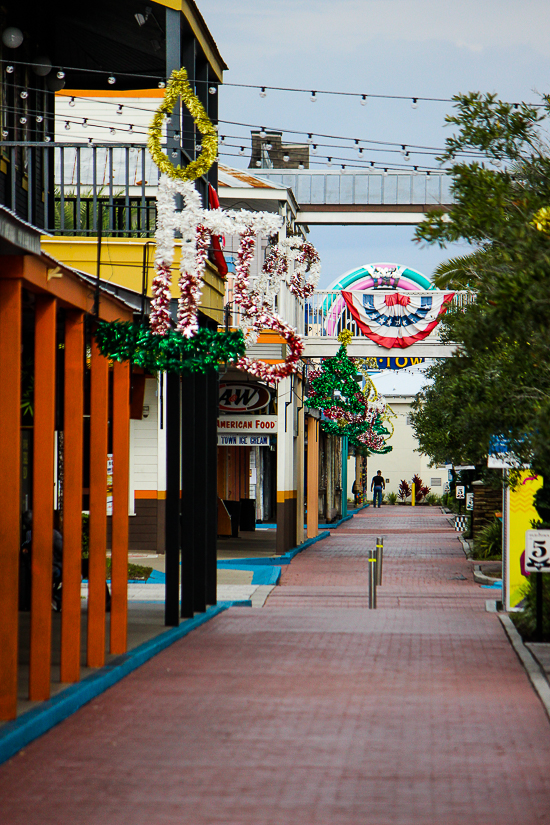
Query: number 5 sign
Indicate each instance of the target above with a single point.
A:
(537, 551)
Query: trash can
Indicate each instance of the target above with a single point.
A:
(248, 514)
(234, 510)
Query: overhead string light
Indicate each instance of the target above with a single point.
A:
(313, 97)
(111, 80)
(263, 92)
(119, 110)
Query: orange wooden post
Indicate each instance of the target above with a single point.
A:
(10, 462)
(72, 495)
(312, 477)
(43, 497)
(98, 508)
(121, 469)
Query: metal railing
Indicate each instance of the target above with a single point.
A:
(327, 314)
(65, 187)
(341, 186)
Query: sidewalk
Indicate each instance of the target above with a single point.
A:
(313, 710)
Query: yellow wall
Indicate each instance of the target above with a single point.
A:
(122, 264)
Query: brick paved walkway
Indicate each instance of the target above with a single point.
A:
(313, 710)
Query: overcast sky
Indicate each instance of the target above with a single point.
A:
(417, 48)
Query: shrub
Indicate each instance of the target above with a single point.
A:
(433, 498)
(488, 542)
(420, 489)
(392, 498)
(526, 622)
(404, 490)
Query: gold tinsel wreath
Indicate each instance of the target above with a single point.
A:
(178, 86)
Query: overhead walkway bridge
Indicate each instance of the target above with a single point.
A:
(344, 197)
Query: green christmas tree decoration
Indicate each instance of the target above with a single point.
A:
(335, 390)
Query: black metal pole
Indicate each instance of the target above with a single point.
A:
(212, 487)
(98, 263)
(538, 631)
(172, 529)
(200, 511)
(187, 495)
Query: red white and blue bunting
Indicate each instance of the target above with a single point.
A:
(397, 319)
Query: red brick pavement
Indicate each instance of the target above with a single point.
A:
(312, 710)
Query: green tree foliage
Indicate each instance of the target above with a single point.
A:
(498, 383)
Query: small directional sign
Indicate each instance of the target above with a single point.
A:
(537, 551)
(460, 492)
(446, 487)
(469, 501)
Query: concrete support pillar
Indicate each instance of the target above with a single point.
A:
(286, 467)
(312, 477)
(299, 446)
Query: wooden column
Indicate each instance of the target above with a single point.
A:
(42, 498)
(98, 508)
(312, 477)
(72, 495)
(10, 461)
(121, 472)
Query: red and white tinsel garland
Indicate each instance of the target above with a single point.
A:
(196, 226)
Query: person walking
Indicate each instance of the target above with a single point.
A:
(377, 485)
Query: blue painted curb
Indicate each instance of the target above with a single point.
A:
(264, 574)
(286, 558)
(29, 726)
(338, 523)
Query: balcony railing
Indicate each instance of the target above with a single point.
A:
(326, 312)
(72, 189)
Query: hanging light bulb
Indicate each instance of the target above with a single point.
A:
(112, 131)
(309, 138)
(313, 97)
(222, 139)
(263, 133)
(286, 157)
(24, 95)
(176, 135)
(198, 147)
(263, 92)
(360, 151)
(85, 123)
(161, 84)
(39, 118)
(258, 163)
(119, 110)
(414, 104)
(372, 163)
(168, 121)
(90, 141)
(12, 37)
(363, 100)
(269, 146)
(329, 161)
(111, 80)
(301, 165)
(174, 153)
(407, 156)
(47, 138)
(131, 129)
(212, 90)
(5, 133)
(343, 166)
(67, 125)
(385, 172)
(60, 74)
(72, 101)
(241, 150)
(9, 69)
(314, 149)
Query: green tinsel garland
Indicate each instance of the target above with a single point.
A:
(127, 341)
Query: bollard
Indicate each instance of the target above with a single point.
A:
(372, 579)
(379, 558)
